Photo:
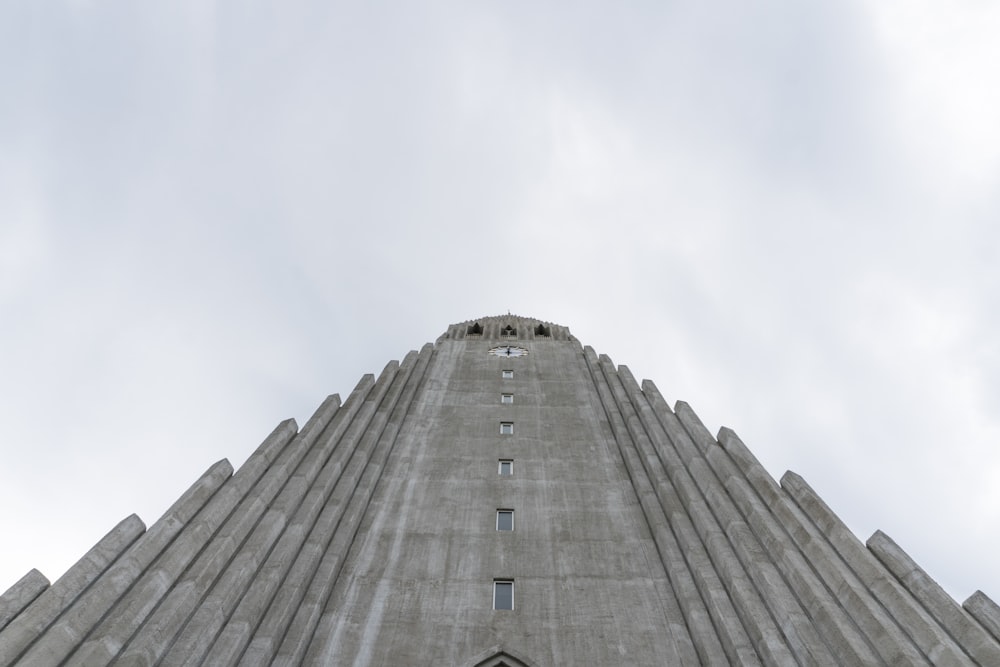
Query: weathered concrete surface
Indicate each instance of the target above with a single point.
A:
(369, 538)
(58, 597)
(984, 610)
(20, 595)
(969, 634)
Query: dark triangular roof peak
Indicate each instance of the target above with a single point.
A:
(495, 657)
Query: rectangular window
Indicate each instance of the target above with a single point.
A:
(506, 428)
(507, 375)
(505, 467)
(507, 398)
(505, 520)
(503, 594)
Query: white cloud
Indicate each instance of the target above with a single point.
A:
(943, 60)
(24, 248)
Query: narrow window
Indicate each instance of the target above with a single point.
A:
(505, 520)
(507, 375)
(506, 428)
(505, 467)
(503, 594)
(507, 398)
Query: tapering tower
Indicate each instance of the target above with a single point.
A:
(504, 496)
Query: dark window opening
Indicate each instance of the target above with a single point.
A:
(503, 594)
(505, 520)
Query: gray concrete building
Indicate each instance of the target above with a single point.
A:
(504, 496)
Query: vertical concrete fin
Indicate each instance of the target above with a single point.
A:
(986, 611)
(666, 467)
(751, 488)
(318, 515)
(700, 533)
(692, 478)
(767, 607)
(324, 413)
(16, 598)
(149, 591)
(696, 430)
(72, 627)
(970, 635)
(273, 444)
(904, 610)
(333, 522)
(277, 466)
(746, 462)
(786, 580)
(200, 630)
(837, 585)
(676, 540)
(190, 502)
(652, 395)
(297, 605)
(361, 389)
(70, 586)
(707, 610)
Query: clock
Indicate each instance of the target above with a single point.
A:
(508, 351)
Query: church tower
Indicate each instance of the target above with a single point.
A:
(504, 496)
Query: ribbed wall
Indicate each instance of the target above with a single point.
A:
(229, 567)
(249, 568)
(779, 576)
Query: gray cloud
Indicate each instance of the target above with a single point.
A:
(211, 217)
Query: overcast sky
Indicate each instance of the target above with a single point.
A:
(215, 214)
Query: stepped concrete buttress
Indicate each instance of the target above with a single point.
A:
(370, 537)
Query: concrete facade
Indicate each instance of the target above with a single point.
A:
(370, 537)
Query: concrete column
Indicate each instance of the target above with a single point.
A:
(16, 598)
(327, 513)
(925, 633)
(298, 603)
(769, 555)
(974, 639)
(69, 630)
(986, 611)
(846, 590)
(681, 465)
(68, 588)
(685, 515)
(711, 619)
(274, 466)
(207, 621)
(832, 620)
(148, 593)
(742, 572)
(310, 570)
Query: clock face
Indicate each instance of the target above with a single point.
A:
(508, 351)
